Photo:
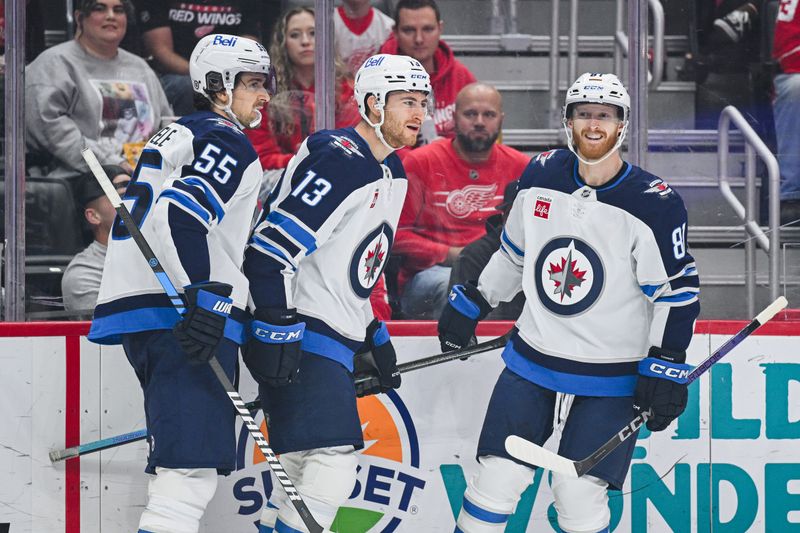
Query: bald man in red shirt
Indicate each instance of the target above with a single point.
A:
(454, 185)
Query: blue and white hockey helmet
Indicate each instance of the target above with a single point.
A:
(218, 58)
(598, 89)
(384, 73)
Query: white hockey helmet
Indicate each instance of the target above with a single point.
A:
(592, 88)
(216, 61)
(385, 73)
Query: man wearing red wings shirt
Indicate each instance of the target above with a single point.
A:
(454, 185)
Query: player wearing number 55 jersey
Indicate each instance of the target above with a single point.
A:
(193, 194)
(316, 253)
(598, 246)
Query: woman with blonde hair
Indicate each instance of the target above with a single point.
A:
(291, 111)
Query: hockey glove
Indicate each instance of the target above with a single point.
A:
(378, 364)
(273, 353)
(465, 307)
(203, 326)
(662, 387)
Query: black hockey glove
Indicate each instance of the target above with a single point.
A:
(273, 353)
(378, 363)
(465, 307)
(203, 326)
(662, 387)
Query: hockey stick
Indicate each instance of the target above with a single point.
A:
(113, 442)
(438, 359)
(177, 302)
(535, 455)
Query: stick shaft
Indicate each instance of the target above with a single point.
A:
(169, 288)
(113, 442)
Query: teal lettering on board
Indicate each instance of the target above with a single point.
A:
(778, 377)
(675, 508)
(723, 424)
(778, 501)
(745, 507)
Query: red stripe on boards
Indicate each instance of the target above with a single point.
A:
(72, 435)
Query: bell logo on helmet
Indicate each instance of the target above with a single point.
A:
(374, 61)
(222, 41)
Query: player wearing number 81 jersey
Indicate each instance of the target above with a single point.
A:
(193, 195)
(598, 246)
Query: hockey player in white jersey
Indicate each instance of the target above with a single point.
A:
(317, 251)
(599, 248)
(193, 195)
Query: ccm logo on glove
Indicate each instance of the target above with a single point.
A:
(277, 336)
(677, 374)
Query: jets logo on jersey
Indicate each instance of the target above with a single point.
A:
(346, 145)
(659, 186)
(461, 203)
(542, 207)
(569, 276)
(544, 156)
(369, 259)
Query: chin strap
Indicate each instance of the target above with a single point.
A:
(231, 115)
(620, 139)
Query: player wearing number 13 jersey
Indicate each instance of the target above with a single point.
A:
(316, 253)
(598, 246)
(193, 195)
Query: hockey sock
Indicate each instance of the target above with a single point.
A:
(177, 499)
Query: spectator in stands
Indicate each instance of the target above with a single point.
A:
(289, 116)
(453, 186)
(786, 51)
(417, 33)
(77, 93)
(171, 29)
(81, 281)
(359, 31)
(474, 257)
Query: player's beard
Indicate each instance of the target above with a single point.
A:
(471, 145)
(592, 152)
(396, 134)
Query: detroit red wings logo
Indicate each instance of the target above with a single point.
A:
(463, 202)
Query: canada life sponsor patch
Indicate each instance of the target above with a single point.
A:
(388, 487)
(569, 276)
(541, 208)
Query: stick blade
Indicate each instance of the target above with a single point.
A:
(535, 455)
(60, 455)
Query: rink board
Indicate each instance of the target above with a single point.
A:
(732, 463)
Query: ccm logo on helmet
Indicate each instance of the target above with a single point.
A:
(374, 61)
(673, 373)
(592, 88)
(222, 41)
(278, 336)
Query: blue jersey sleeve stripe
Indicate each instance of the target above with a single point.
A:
(187, 203)
(211, 196)
(264, 245)
(514, 248)
(196, 193)
(650, 290)
(150, 158)
(678, 298)
(294, 230)
(281, 241)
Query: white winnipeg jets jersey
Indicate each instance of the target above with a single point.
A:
(323, 241)
(193, 195)
(605, 271)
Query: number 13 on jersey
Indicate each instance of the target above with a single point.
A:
(321, 187)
